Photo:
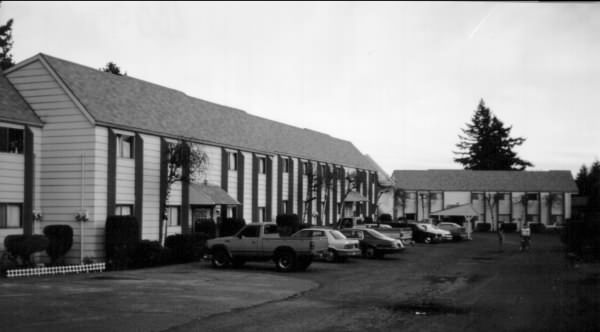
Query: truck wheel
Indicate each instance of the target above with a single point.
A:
(285, 261)
(331, 255)
(427, 240)
(221, 258)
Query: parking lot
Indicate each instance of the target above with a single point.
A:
(440, 287)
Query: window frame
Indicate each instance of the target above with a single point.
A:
(4, 210)
(232, 161)
(5, 144)
(168, 209)
(262, 165)
(119, 207)
(286, 165)
(121, 139)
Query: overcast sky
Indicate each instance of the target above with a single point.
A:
(399, 80)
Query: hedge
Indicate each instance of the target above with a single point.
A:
(287, 224)
(22, 246)
(509, 227)
(483, 227)
(385, 218)
(231, 226)
(206, 226)
(150, 253)
(121, 239)
(537, 227)
(61, 241)
(187, 247)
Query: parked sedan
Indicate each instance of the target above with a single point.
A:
(339, 247)
(372, 243)
(427, 233)
(458, 232)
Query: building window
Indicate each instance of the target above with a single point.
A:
(476, 196)
(532, 218)
(532, 196)
(124, 146)
(11, 140)
(433, 196)
(411, 216)
(556, 219)
(123, 210)
(286, 165)
(284, 207)
(10, 215)
(502, 196)
(232, 161)
(305, 168)
(262, 214)
(504, 218)
(262, 165)
(173, 215)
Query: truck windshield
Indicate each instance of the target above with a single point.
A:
(251, 231)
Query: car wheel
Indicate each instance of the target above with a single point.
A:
(331, 255)
(221, 258)
(285, 261)
(427, 240)
(371, 253)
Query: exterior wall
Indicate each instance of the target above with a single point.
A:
(274, 202)
(67, 181)
(247, 187)
(295, 186)
(151, 193)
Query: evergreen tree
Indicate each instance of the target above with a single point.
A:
(112, 67)
(6, 43)
(588, 183)
(487, 145)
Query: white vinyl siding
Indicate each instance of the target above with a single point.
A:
(151, 192)
(247, 187)
(68, 138)
(295, 187)
(12, 177)
(213, 171)
(274, 177)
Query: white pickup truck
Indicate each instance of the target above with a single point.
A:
(261, 242)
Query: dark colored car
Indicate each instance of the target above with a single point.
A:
(420, 234)
(458, 232)
(372, 243)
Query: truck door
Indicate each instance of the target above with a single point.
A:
(246, 243)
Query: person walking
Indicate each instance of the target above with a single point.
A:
(525, 237)
(500, 233)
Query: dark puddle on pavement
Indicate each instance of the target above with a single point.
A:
(427, 309)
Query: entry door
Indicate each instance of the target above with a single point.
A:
(199, 214)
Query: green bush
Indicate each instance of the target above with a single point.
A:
(206, 226)
(368, 220)
(121, 239)
(61, 241)
(385, 218)
(151, 253)
(509, 227)
(231, 226)
(287, 224)
(483, 227)
(537, 227)
(187, 247)
(22, 246)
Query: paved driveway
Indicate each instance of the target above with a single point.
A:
(139, 300)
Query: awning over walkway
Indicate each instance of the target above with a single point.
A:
(207, 194)
(466, 210)
(355, 196)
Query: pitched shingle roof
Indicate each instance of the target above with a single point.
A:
(12, 106)
(126, 102)
(467, 180)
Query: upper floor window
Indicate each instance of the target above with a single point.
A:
(124, 146)
(173, 215)
(10, 215)
(532, 196)
(11, 140)
(232, 161)
(124, 210)
(305, 168)
(476, 196)
(262, 165)
(286, 165)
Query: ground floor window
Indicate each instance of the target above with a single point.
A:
(10, 215)
(532, 218)
(504, 218)
(284, 206)
(411, 216)
(173, 215)
(556, 219)
(124, 210)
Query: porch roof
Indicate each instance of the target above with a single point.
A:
(207, 194)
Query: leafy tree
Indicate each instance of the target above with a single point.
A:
(6, 43)
(112, 67)
(588, 183)
(487, 145)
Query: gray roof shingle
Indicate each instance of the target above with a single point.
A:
(468, 180)
(12, 106)
(126, 102)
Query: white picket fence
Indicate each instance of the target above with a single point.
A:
(52, 270)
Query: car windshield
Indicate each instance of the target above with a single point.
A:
(337, 235)
(377, 235)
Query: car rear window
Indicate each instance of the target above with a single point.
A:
(337, 235)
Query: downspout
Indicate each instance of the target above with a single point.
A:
(82, 213)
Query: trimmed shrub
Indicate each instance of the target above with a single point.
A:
(537, 227)
(483, 227)
(287, 224)
(151, 253)
(187, 247)
(121, 239)
(385, 218)
(61, 241)
(509, 227)
(206, 226)
(22, 246)
(231, 226)
(368, 220)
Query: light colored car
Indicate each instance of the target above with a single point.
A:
(444, 234)
(339, 247)
(372, 243)
(374, 226)
(458, 232)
